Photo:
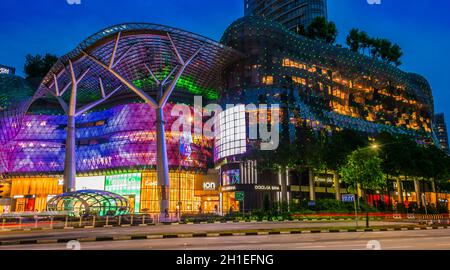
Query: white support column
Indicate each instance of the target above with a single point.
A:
(256, 172)
(70, 160)
(241, 171)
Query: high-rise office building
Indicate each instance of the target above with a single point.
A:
(294, 14)
(441, 131)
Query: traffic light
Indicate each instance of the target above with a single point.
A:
(5, 190)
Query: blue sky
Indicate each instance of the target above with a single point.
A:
(421, 27)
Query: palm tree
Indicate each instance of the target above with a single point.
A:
(364, 41)
(321, 29)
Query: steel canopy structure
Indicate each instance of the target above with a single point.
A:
(149, 61)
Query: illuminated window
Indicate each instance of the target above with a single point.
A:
(267, 80)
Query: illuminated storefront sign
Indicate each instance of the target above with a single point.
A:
(127, 185)
(267, 188)
(228, 188)
(90, 182)
(209, 186)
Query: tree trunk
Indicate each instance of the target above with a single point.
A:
(312, 189)
(337, 186)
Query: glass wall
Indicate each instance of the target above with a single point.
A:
(126, 185)
(32, 194)
(182, 192)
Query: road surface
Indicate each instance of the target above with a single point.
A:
(179, 229)
(391, 240)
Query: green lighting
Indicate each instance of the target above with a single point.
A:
(185, 82)
(126, 185)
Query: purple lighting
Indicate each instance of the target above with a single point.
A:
(120, 137)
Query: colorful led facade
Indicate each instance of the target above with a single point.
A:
(122, 137)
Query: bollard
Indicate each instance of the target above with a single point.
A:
(143, 219)
(67, 219)
(20, 222)
(80, 221)
(120, 219)
(131, 221)
(93, 222)
(3, 224)
(35, 222)
(107, 220)
(51, 222)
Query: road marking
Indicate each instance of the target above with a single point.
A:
(401, 247)
(311, 247)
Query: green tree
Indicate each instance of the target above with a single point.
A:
(353, 40)
(395, 54)
(363, 168)
(38, 66)
(321, 29)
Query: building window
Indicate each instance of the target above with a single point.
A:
(267, 80)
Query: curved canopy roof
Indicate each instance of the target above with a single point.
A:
(88, 202)
(135, 49)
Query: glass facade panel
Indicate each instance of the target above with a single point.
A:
(182, 192)
(126, 185)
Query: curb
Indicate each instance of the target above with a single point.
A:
(207, 235)
(181, 223)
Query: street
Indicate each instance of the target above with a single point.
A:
(392, 240)
(183, 228)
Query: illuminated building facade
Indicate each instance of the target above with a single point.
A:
(97, 119)
(328, 88)
(441, 132)
(294, 14)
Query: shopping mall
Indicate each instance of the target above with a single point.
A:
(101, 119)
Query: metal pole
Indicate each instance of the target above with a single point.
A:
(131, 221)
(107, 220)
(81, 217)
(120, 220)
(20, 222)
(35, 222)
(143, 219)
(93, 222)
(67, 219)
(3, 224)
(51, 222)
